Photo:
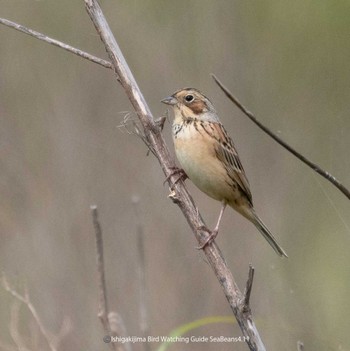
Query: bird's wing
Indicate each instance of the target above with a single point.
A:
(226, 152)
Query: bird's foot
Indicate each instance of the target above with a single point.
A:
(181, 175)
(212, 235)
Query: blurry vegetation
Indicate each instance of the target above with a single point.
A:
(61, 151)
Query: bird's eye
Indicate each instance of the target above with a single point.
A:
(189, 98)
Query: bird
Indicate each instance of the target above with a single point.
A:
(210, 160)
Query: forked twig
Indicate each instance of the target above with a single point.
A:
(298, 155)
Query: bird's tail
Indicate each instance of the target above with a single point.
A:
(268, 236)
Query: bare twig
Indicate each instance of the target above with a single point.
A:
(103, 302)
(183, 199)
(302, 158)
(26, 300)
(55, 42)
(248, 288)
(144, 324)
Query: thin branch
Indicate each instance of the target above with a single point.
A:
(103, 302)
(302, 158)
(183, 199)
(248, 288)
(144, 324)
(26, 300)
(55, 42)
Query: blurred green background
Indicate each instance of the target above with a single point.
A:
(61, 150)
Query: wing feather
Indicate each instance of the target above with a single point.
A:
(226, 152)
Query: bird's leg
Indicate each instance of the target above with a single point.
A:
(215, 232)
(179, 171)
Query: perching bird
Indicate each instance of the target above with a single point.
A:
(209, 158)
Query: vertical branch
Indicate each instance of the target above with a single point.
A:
(144, 324)
(103, 303)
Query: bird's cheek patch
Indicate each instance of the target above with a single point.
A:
(198, 107)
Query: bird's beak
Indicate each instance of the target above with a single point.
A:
(170, 100)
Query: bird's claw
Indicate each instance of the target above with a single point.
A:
(175, 170)
(212, 235)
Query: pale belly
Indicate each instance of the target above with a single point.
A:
(197, 158)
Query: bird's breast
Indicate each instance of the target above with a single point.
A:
(196, 151)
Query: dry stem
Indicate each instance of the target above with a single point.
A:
(144, 324)
(104, 314)
(103, 302)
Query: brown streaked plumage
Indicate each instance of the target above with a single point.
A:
(209, 158)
